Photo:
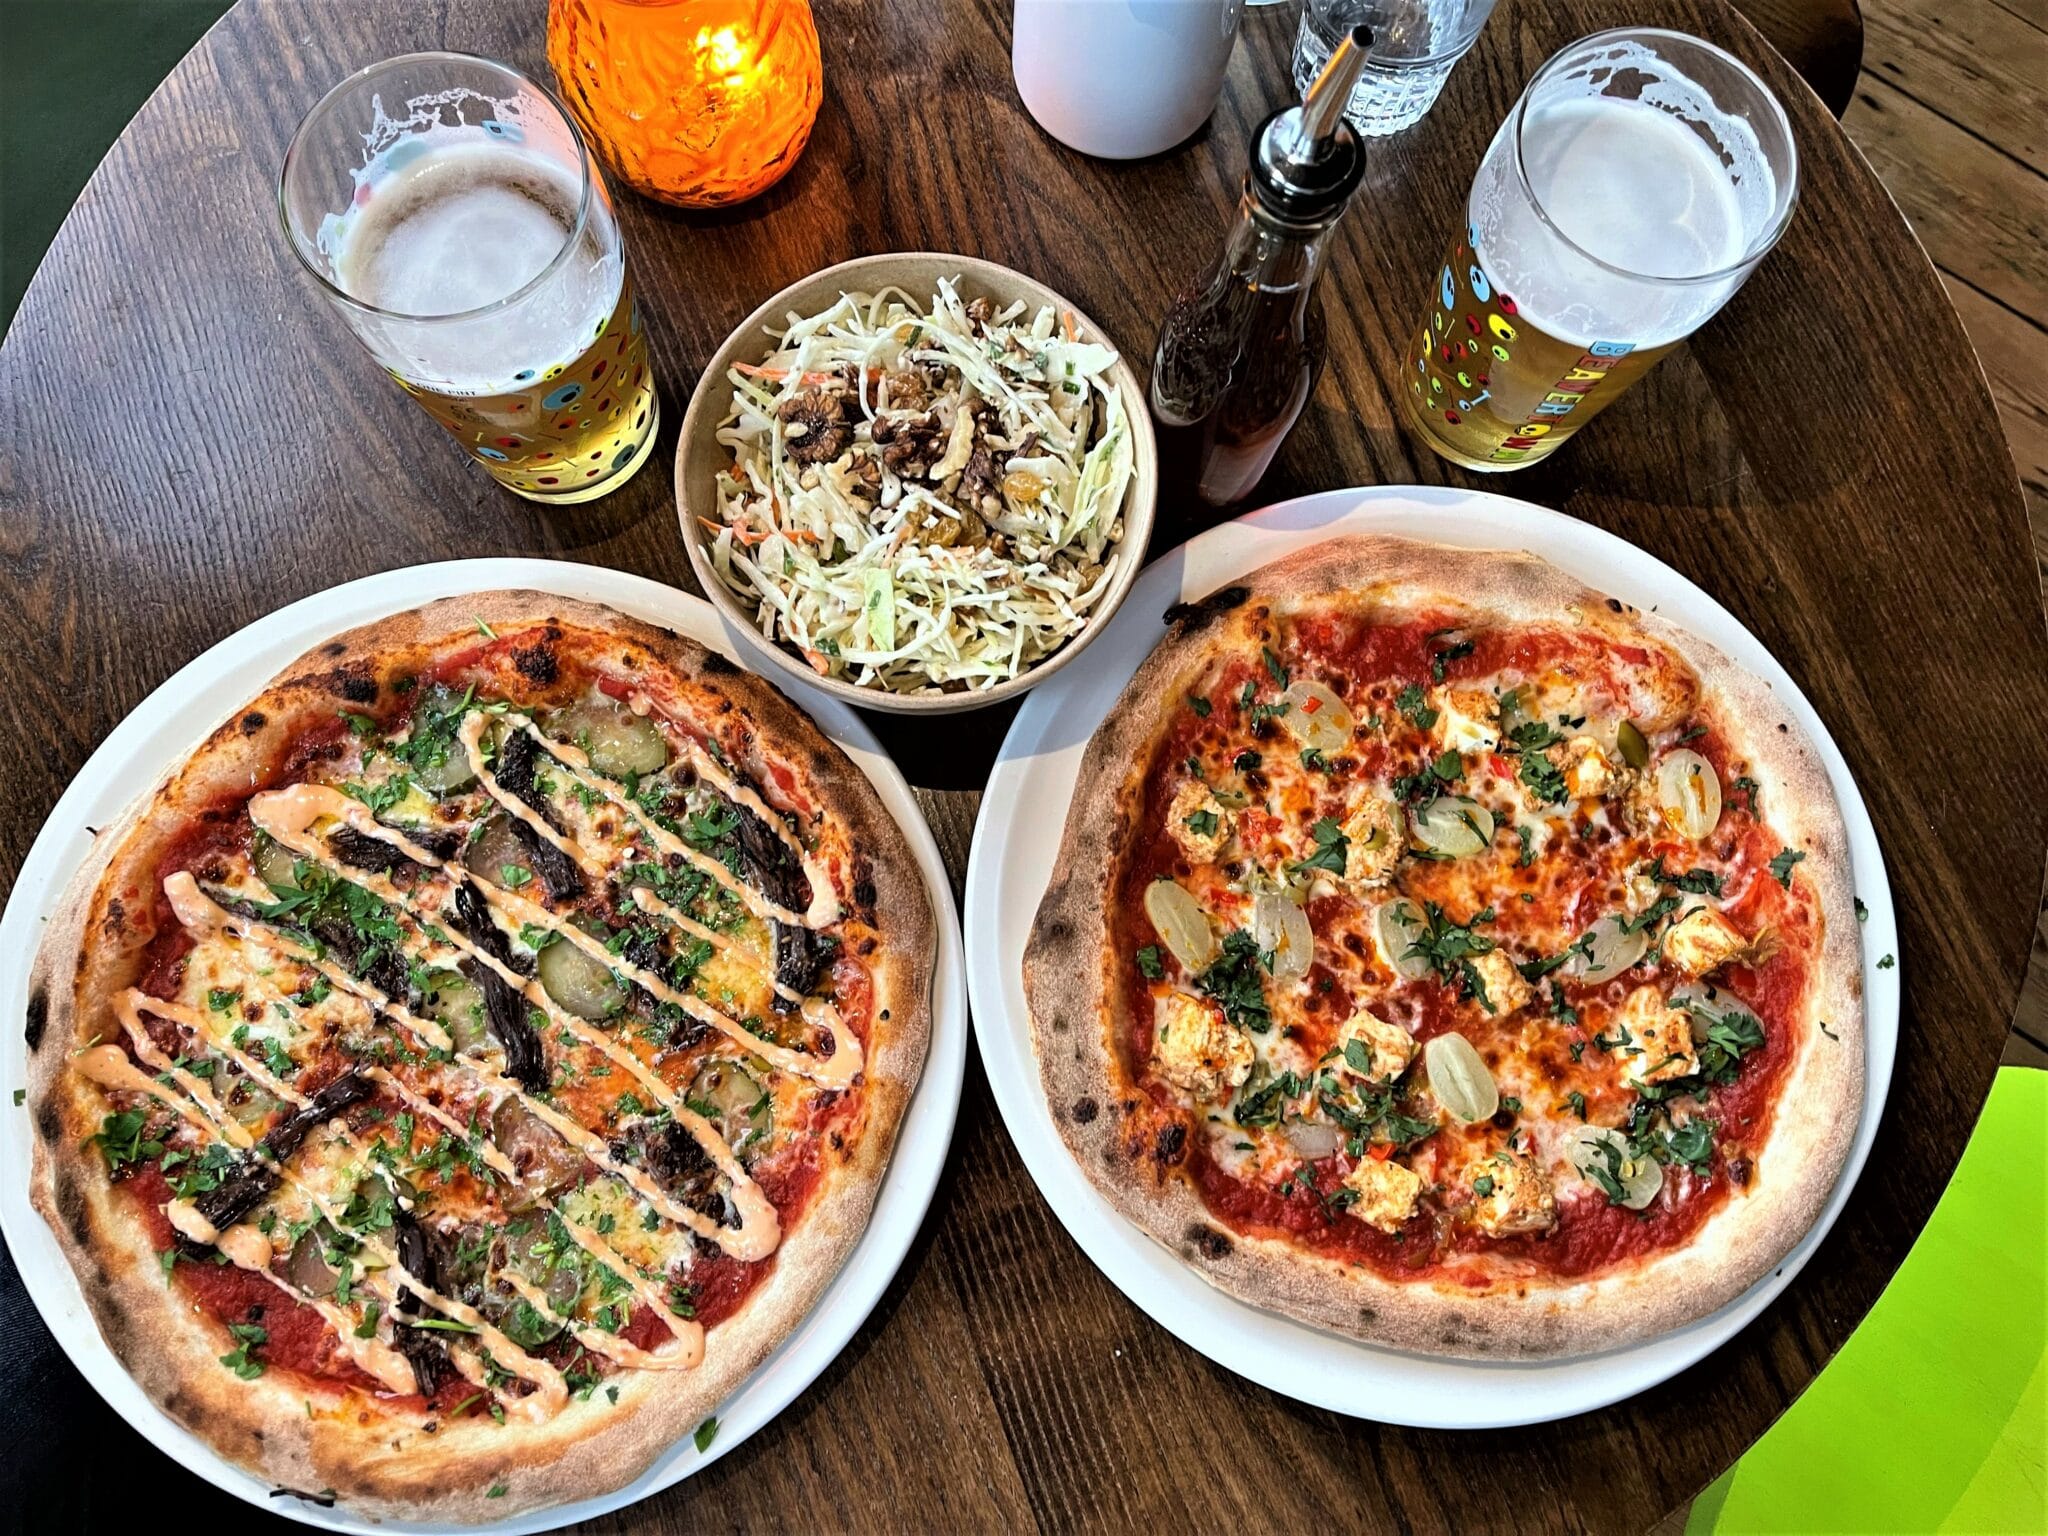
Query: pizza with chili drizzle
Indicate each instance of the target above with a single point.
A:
(455, 1077)
(1453, 957)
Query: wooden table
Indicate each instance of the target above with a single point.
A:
(192, 440)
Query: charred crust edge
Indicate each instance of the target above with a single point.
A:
(37, 1018)
(1191, 618)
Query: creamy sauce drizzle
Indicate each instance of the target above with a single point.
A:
(200, 913)
(587, 1236)
(760, 1230)
(291, 816)
(184, 1216)
(129, 1008)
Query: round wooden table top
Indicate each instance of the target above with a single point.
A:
(192, 440)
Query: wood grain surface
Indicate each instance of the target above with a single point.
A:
(190, 440)
(1821, 39)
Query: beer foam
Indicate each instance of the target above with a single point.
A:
(1635, 187)
(1636, 184)
(456, 219)
(456, 231)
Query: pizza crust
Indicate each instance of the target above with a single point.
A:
(1077, 1013)
(390, 1467)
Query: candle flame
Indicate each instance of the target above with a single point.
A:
(724, 51)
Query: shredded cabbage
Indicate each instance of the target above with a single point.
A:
(975, 561)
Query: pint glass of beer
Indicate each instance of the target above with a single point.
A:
(447, 208)
(1637, 183)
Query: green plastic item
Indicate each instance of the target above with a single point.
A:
(1934, 1416)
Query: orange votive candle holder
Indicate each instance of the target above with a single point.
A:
(700, 103)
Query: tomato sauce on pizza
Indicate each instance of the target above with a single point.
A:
(1459, 947)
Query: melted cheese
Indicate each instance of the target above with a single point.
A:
(1551, 872)
(625, 1220)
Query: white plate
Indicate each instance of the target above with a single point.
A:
(175, 719)
(1014, 847)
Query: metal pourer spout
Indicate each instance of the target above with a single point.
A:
(1307, 160)
(1322, 107)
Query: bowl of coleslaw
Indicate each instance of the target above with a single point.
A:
(920, 482)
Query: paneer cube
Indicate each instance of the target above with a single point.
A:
(1589, 770)
(1386, 1192)
(1388, 1047)
(1467, 719)
(1199, 822)
(1195, 1048)
(1511, 1195)
(1659, 1045)
(1640, 891)
(1701, 941)
(1372, 842)
(1504, 988)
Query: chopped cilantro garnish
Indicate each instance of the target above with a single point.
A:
(1537, 771)
(1439, 660)
(1699, 882)
(1438, 775)
(1533, 970)
(1693, 1145)
(1410, 702)
(1449, 948)
(1662, 907)
(1333, 848)
(120, 1139)
(1233, 980)
(238, 1359)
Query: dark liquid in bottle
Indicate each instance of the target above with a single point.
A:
(1235, 370)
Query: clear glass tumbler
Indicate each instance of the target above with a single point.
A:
(1415, 44)
(447, 208)
(1634, 188)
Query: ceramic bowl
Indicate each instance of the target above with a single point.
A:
(700, 458)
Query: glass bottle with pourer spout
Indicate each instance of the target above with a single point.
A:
(1240, 351)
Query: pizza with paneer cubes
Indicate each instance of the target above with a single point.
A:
(458, 1074)
(1453, 957)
